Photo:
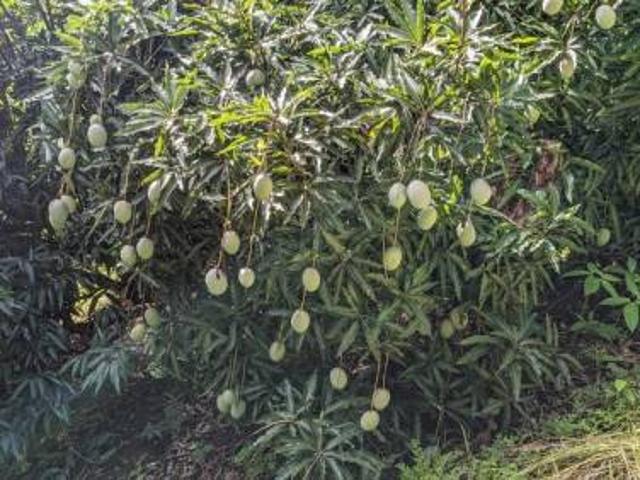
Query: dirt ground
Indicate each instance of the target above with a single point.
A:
(155, 430)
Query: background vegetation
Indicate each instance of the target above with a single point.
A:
(336, 102)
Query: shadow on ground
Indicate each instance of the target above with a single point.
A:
(153, 430)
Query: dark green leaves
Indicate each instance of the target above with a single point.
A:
(630, 313)
(591, 285)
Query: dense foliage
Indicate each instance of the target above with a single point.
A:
(166, 143)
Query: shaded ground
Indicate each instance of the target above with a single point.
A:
(154, 430)
(161, 430)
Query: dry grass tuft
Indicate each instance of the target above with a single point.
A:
(605, 456)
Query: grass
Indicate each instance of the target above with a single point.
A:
(598, 438)
(604, 456)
